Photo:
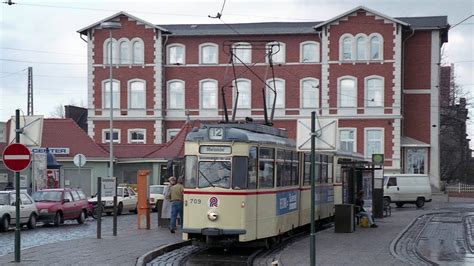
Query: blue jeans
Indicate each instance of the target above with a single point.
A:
(176, 208)
(369, 216)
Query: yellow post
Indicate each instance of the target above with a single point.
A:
(143, 210)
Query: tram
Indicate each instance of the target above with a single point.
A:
(245, 182)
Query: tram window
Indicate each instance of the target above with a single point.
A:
(214, 174)
(294, 169)
(307, 170)
(252, 168)
(266, 168)
(330, 172)
(239, 172)
(324, 172)
(281, 174)
(191, 171)
(338, 174)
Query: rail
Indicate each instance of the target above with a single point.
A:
(460, 188)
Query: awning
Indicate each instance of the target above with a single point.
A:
(411, 142)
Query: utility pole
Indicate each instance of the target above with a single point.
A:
(30, 91)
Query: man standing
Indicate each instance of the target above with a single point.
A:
(176, 198)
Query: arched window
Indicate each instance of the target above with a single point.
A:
(138, 52)
(277, 52)
(309, 93)
(124, 52)
(208, 94)
(279, 87)
(375, 51)
(374, 92)
(115, 94)
(244, 100)
(242, 52)
(347, 48)
(176, 94)
(137, 94)
(309, 52)
(208, 53)
(361, 45)
(115, 56)
(347, 93)
(176, 54)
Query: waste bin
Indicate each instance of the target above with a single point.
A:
(344, 218)
(162, 222)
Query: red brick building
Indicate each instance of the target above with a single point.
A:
(377, 75)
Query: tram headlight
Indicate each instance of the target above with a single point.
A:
(212, 215)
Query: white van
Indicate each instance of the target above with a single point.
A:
(406, 188)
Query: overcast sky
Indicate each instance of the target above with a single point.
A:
(42, 34)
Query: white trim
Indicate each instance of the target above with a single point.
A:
(129, 135)
(169, 131)
(106, 54)
(318, 97)
(397, 70)
(365, 46)
(366, 98)
(158, 88)
(115, 107)
(282, 50)
(396, 139)
(129, 94)
(318, 53)
(168, 53)
(90, 84)
(200, 94)
(341, 47)
(120, 42)
(132, 56)
(250, 93)
(107, 130)
(201, 46)
(428, 91)
(369, 44)
(325, 73)
(168, 94)
(434, 170)
(249, 51)
(267, 90)
(366, 141)
(355, 137)
(345, 109)
(158, 131)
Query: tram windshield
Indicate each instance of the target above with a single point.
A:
(214, 174)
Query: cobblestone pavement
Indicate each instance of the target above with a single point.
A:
(77, 245)
(175, 257)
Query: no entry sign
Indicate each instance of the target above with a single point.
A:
(16, 157)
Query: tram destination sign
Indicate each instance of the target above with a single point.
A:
(208, 149)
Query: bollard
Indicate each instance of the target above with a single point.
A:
(143, 210)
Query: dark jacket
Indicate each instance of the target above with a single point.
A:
(359, 203)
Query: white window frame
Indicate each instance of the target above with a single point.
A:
(341, 47)
(170, 132)
(129, 91)
(364, 47)
(366, 140)
(282, 51)
(136, 130)
(106, 130)
(168, 52)
(354, 141)
(269, 93)
(201, 82)
(142, 52)
(249, 93)
(247, 50)
(302, 81)
(407, 166)
(302, 45)
(366, 91)
(339, 94)
(104, 82)
(369, 42)
(201, 55)
(115, 52)
(168, 94)
(122, 60)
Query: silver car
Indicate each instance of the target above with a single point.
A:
(28, 211)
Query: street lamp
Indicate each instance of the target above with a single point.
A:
(110, 25)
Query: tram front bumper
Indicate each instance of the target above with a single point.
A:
(214, 231)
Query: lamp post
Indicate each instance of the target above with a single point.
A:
(110, 25)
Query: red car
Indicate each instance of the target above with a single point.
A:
(57, 205)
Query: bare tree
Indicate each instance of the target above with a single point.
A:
(58, 111)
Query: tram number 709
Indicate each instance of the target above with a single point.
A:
(194, 201)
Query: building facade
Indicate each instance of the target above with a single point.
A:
(377, 75)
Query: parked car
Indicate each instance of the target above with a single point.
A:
(156, 194)
(28, 211)
(126, 201)
(57, 205)
(407, 188)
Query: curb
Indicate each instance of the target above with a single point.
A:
(149, 256)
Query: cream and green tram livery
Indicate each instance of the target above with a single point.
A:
(245, 182)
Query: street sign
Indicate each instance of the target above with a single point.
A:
(108, 186)
(80, 160)
(16, 157)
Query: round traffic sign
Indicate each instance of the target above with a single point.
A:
(16, 157)
(79, 160)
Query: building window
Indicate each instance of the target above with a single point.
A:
(137, 135)
(309, 93)
(115, 57)
(347, 140)
(171, 133)
(243, 101)
(115, 135)
(347, 93)
(361, 46)
(115, 94)
(277, 52)
(138, 52)
(208, 53)
(242, 52)
(176, 94)
(374, 89)
(279, 88)
(176, 54)
(347, 48)
(415, 160)
(309, 52)
(208, 94)
(124, 52)
(373, 142)
(375, 48)
(137, 94)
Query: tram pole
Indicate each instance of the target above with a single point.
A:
(312, 245)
